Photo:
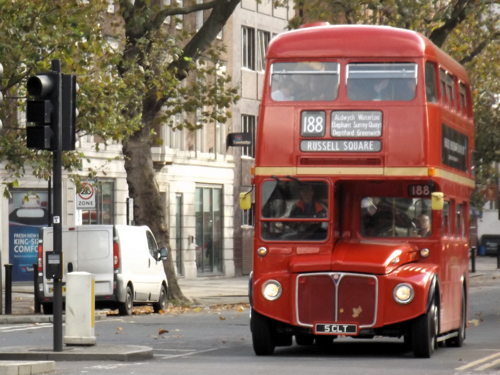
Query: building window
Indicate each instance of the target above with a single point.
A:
(209, 229)
(103, 212)
(248, 45)
(263, 39)
(248, 217)
(248, 126)
(179, 233)
(179, 19)
(174, 138)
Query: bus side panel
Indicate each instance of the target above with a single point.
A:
(404, 138)
(277, 147)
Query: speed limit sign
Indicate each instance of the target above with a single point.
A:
(86, 196)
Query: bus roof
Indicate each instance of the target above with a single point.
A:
(362, 41)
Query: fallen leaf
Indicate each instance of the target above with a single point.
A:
(162, 331)
(118, 330)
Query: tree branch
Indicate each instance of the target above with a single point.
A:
(479, 48)
(222, 10)
(164, 13)
(458, 14)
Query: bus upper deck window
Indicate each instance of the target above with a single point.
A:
(304, 81)
(381, 81)
(430, 82)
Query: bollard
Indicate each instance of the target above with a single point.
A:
(36, 297)
(80, 302)
(473, 258)
(8, 289)
(498, 255)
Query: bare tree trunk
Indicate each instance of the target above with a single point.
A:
(148, 206)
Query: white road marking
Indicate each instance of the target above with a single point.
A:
(490, 362)
(24, 327)
(186, 354)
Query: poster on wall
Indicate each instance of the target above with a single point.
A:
(28, 212)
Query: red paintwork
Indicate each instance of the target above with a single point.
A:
(411, 137)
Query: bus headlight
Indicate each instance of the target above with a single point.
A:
(271, 290)
(262, 251)
(403, 293)
(424, 253)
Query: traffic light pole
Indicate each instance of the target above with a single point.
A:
(57, 214)
(51, 107)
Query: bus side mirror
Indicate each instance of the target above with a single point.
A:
(245, 200)
(437, 200)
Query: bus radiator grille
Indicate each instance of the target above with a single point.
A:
(336, 297)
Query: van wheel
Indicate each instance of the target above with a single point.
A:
(161, 305)
(126, 307)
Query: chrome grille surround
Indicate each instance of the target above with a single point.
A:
(336, 279)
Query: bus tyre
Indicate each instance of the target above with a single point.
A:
(126, 307)
(262, 337)
(424, 332)
(458, 340)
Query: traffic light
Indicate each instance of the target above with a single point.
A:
(52, 108)
(43, 111)
(68, 111)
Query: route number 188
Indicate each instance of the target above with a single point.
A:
(312, 124)
(419, 190)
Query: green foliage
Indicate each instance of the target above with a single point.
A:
(125, 86)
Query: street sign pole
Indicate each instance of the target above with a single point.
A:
(57, 214)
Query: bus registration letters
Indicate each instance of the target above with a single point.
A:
(335, 329)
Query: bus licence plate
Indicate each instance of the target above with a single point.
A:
(335, 329)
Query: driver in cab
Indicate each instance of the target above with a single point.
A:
(307, 205)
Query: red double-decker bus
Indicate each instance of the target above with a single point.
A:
(362, 182)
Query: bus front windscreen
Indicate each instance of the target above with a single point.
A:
(294, 210)
(304, 81)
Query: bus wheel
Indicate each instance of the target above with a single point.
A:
(458, 340)
(262, 338)
(424, 332)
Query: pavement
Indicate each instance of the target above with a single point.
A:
(201, 291)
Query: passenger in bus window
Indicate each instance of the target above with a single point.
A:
(424, 225)
(308, 205)
(404, 89)
(381, 90)
(392, 219)
(284, 91)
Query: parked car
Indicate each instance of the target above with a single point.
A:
(125, 261)
(490, 244)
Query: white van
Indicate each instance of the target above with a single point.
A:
(125, 260)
